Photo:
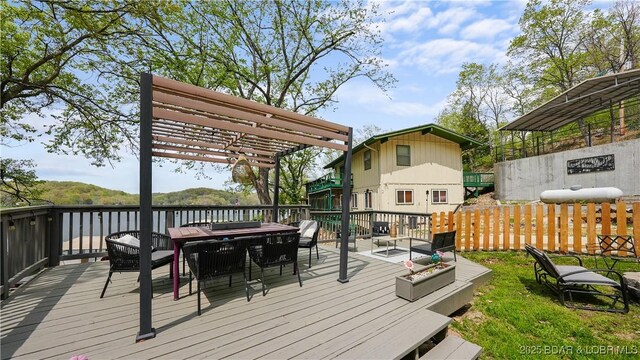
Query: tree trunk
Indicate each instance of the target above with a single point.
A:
(261, 184)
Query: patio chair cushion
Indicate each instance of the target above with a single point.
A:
(161, 257)
(307, 228)
(585, 277)
(131, 241)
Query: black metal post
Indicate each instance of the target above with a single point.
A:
(146, 212)
(276, 191)
(589, 131)
(346, 197)
(612, 118)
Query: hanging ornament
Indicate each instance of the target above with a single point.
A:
(241, 171)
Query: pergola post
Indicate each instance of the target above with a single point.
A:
(146, 215)
(276, 190)
(346, 197)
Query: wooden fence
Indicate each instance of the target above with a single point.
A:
(564, 228)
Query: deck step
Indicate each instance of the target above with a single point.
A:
(453, 347)
(450, 298)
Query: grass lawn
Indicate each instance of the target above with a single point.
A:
(512, 316)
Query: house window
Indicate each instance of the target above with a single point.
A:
(439, 196)
(403, 155)
(367, 160)
(354, 201)
(404, 197)
(368, 200)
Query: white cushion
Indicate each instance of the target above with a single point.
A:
(131, 241)
(307, 228)
(128, 240)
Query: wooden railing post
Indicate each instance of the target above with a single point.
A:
(55, 237)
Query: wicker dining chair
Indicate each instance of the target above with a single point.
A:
(206, 224)
(126, 258)
(275, 250)
(209, 259)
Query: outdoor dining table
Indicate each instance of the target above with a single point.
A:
(181, 235)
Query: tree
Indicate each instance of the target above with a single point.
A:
(288, 54)
(613, 38)
(48, 49)
(18, 182)
(272, 50)
(551, 42)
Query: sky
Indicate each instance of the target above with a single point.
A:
(425, 45)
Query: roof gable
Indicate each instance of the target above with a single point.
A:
(465, 142)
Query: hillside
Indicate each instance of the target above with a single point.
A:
(77, 193)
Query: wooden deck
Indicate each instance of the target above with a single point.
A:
(59, 314)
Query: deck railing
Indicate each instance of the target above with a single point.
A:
(35, 237)
(414, 225)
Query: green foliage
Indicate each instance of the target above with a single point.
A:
(513, 311)
(18, 182)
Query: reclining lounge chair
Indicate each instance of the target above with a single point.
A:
(569, 281)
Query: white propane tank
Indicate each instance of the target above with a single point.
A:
(576, 194)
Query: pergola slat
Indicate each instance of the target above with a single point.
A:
(234, 102)
(224, 155)
(208, 145)
(241, 114)
(224, 125)
(203, 158)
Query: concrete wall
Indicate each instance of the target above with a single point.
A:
(525, 179)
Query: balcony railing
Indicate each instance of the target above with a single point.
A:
(326, 182)
(472, 179)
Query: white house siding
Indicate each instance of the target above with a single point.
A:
(436, 164)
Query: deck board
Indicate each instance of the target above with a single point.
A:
(59, 314)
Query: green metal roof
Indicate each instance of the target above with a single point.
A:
(437, 130)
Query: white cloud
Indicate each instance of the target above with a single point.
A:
(448, 22)
(486, 29)
(369, 95)
(442, 56)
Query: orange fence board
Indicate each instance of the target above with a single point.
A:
(450, 221)
(467, 230)
(496, 228)
(564, 228)
(506, 232)
(621, 223)
(605, 218)
(516, 227)
(459, 230)
(591, 225)
(539, 227)
(527, 224)
(476, 229)
(487, 230)
(551, 229)
(577, 228)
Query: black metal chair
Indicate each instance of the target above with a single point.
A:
(614, 248)
(210, 259)
(206, 224)
(445, 241)
(275, 250)
(571, 280)
(126, 258)
(307, 242)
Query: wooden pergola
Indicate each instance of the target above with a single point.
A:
(187, 122)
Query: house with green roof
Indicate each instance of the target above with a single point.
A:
(418, 169)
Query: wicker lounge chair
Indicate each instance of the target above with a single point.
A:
(277, 250)
(210, 259)
(126, 258)
(572, 281)
(445, 241)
